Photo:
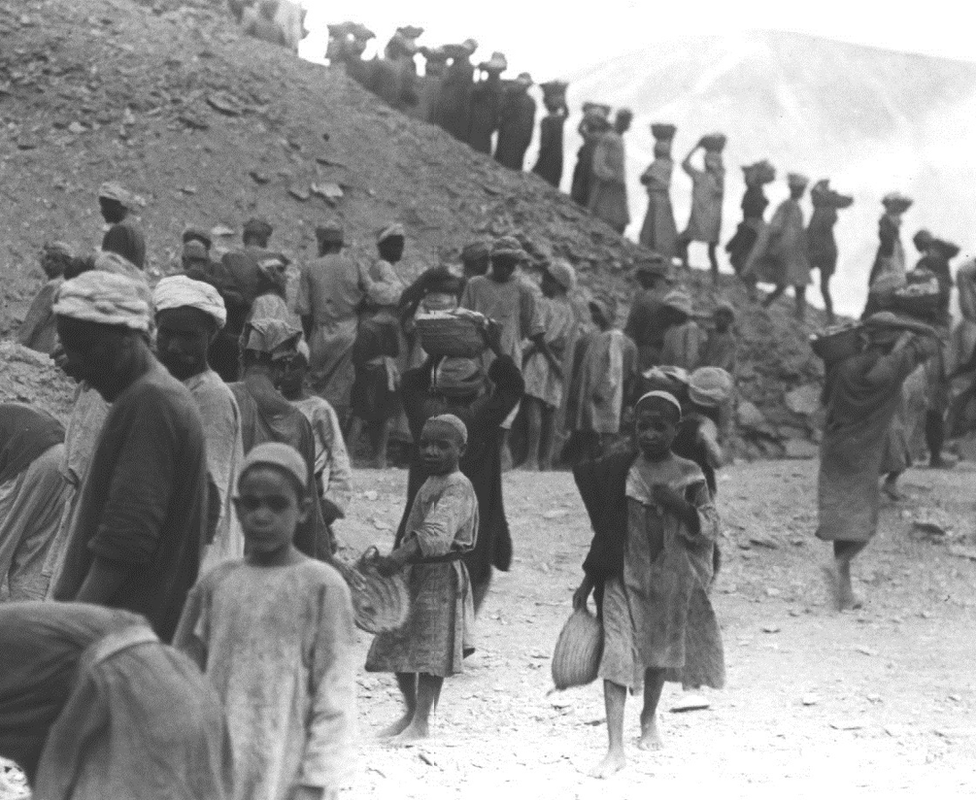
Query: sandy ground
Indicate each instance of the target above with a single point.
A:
(877, 702)
(871, 703)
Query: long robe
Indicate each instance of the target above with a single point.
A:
(652, 571)
(780, 255)
(277, 643)
(549, 165)
(559, 320)
(482, 458)
(659, 231)
(39, 330)
(707, 191)
(754, 204)
(486, 100)
(608, 364)
(862, 394)
(890, 257)
(453, 109)
(225, 455)
(438, 634)
(608, 193)
(515, 124)
(583, 171)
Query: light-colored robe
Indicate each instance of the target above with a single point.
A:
(278, 645)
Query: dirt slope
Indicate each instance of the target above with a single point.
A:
(211, 128)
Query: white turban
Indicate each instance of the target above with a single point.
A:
(179, 291)
(105, 298)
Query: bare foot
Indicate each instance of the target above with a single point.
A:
(396, 728)
(410, 735)
(848, 601)
(650, 737)
(613, 762)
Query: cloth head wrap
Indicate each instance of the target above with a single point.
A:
(454, 422)
(391, 231)
(273, 336)
(280, 455)
(110, 190)
(709, 386)
(657, 396)
(562, 272)
(508, 247)
(458, 377)
(797, 180)
(679, 301)
(179, 291)
(896, 202)
(889, 321)
(726, 306)
(57, 249)
(105, 298)
(607, 305)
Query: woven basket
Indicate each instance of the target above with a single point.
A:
(576, 659)
(922, 304)
(450, 335)
(714, 142)
(380, 604)
(837, 342)
(663, 131)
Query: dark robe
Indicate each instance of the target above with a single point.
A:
(482, 458)
(549, 166)
(754, 203)
(486, 100)
(889, 247)
(127, 240)
(583, 173)
(516, 121)
(454, 99)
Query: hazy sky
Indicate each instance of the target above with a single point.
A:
(553, 43)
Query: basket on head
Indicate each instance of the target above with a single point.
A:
(663, 131)
(380, 604)
(576, 659)
(837, 342)
(714, 142)
(444, 333)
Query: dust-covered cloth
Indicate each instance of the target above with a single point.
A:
(862, 393)
(659, 231)
(781, 255)
(332, 465)
(608, 192)
(39, 330)
(682, 346)
(278, 645)
(608, 364)
(439, 632)
(655, 607)
(225, 453)
(93, 706)
(512, 304)
(707, 191)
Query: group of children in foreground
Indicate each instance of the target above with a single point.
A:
(274, 632)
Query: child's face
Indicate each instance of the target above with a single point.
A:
(294, 377)
(268, 508)
(440, 448)
(655, 429)
(723, 321)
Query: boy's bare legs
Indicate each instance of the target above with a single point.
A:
(828, 300)
(713, 261)
(653, 686)
(407, 681)
(428, 692)
(844, 553)
(548, 437)
(614, 697)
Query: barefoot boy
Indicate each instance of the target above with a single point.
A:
(441, 528)
(650, 565)
(274, 633)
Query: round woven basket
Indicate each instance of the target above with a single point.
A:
(663, 131)
(576, 659)
(837, 342)
(714, 142)
(457, 336)
(380, 604)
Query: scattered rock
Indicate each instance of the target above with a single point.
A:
(800, 449)
(867, 651)
(225, 103)
(804, 400)
(810, 699)
(749, 416)
(771, 628)
(764, 541)
(259, 177)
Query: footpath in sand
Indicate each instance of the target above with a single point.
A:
(877, 702)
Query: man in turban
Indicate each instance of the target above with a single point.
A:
(124, 235)
(189, 314)
(140, 529)
(330, 290)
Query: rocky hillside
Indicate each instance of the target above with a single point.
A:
(872, 120)
(211, 128)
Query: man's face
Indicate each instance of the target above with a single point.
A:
(112, 210)
(391, 249)
(182, 338)
(92, 353)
